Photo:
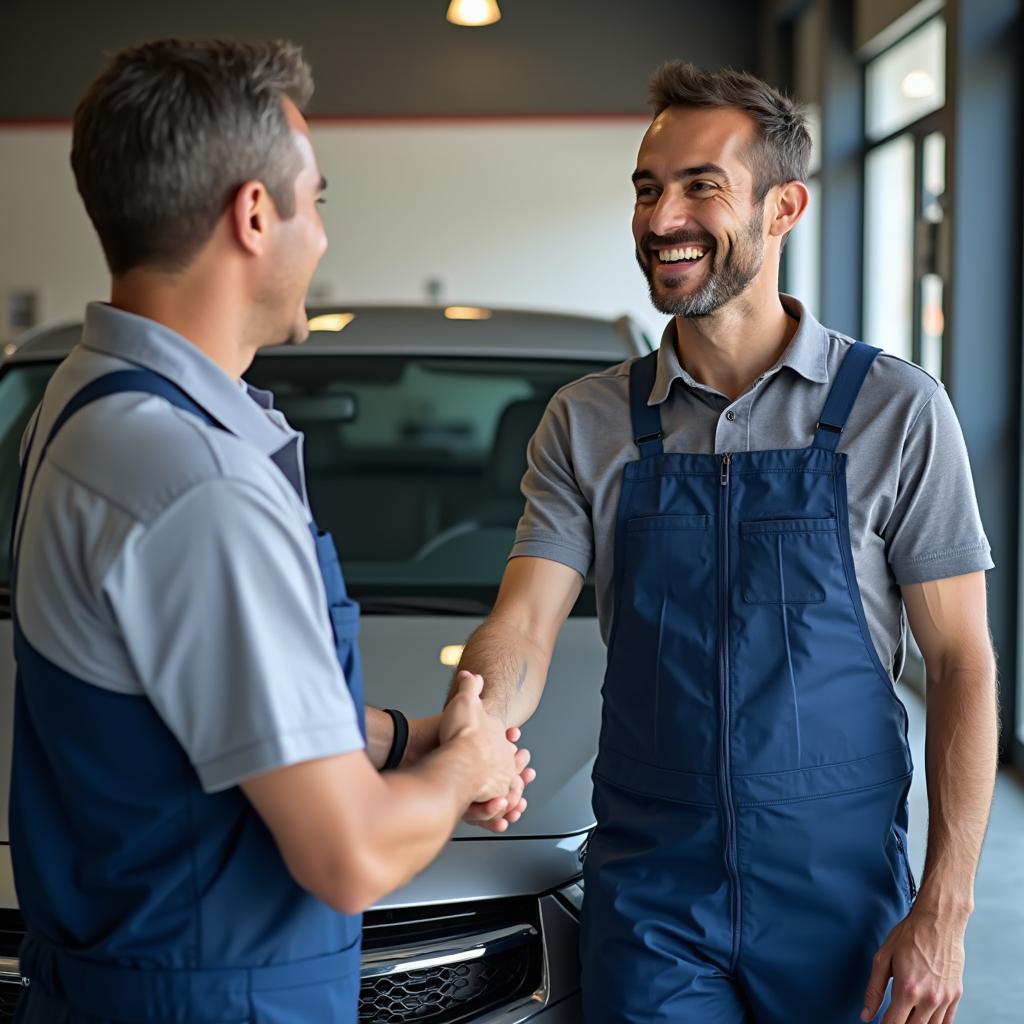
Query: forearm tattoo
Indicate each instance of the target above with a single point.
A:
(523, 672)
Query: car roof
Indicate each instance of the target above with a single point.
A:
(433, 330)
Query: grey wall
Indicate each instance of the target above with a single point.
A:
(391, 57)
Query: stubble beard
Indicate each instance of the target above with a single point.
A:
(742, 264)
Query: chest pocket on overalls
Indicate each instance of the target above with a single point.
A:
(786, 561)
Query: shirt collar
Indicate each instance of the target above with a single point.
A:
(807, 354)
(136, 339)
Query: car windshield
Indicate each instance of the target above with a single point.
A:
(412, 462)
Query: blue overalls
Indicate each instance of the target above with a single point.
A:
(750, 789)
(148, 901)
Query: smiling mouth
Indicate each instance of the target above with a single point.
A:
(683, 254)
(681, 258)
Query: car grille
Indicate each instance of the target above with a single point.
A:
(12, 928)
(428, 965)
(8, 1001)
(459, 962)
(445, 993)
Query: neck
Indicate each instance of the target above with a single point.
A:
(735, 345)
(191, 303)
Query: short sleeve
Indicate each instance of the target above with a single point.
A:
(935, 529)
(556, 522)
(222, 608)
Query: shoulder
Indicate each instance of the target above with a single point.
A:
(588, 407)
(598, 383)
(143, 455)
(891, 380)
(593, 392)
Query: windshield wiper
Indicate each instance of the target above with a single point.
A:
(399, 604)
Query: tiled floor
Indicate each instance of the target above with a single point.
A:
(994, 981)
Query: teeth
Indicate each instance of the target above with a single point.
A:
(675, 255)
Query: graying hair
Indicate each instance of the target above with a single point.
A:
(170, 130)
(783, 149)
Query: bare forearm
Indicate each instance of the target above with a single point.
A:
(349, 834)
(960, 764)
(417, 813)
(513, 666)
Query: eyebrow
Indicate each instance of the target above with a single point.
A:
(686, 172)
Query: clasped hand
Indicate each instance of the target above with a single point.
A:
(504, 771)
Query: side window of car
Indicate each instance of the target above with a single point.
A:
(21, 389)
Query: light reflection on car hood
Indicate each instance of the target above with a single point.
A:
(402, 669)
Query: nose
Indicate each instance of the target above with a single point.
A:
(671, 213)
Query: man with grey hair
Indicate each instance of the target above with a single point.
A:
(197, 813)
(761, 501)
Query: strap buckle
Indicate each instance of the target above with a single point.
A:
(647, 438)
(829, 427)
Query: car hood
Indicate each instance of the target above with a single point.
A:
(402, 669)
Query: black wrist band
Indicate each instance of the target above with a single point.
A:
(400, 741)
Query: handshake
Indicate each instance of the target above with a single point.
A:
(496, 769)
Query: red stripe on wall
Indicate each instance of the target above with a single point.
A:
(63, 122)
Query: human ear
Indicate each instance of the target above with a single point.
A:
(786, 205)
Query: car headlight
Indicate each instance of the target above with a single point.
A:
(571, 897)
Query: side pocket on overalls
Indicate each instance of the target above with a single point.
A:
(345, 626)
(908, 875)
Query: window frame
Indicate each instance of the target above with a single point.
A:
(936, 121)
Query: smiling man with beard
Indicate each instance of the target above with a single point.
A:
(670, 263)
(763, 503)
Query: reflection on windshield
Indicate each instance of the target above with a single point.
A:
(414, 464)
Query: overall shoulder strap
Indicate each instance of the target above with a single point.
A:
(140, 380)
(146, 381)
(844, 393)
(646, 419)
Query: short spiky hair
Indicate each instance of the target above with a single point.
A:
(783, 150)
(170, 130)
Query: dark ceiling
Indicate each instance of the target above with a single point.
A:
(391, 58)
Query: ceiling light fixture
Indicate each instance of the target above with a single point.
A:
(473, 13)
(467, 313)
(917, 85)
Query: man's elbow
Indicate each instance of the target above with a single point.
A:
(349, 884)
(966, 664)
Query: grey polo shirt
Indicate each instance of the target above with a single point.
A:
(913, 513)
(165, 558)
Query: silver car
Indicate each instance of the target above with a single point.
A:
(416, 423)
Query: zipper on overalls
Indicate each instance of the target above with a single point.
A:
(724, 759)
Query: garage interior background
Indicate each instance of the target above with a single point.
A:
(496, 162)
